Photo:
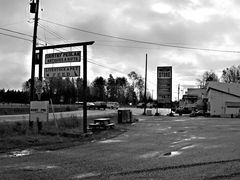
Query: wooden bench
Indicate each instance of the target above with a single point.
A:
(110, 125)
(98, 126)
(94, 126)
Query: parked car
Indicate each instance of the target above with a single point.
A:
(149, 105)
(113, 105)
(100, 105)
(183, 110)
(140, 105)
(199, 113)
(90, 105)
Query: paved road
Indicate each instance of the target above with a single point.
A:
(153, 148)
(79, 113)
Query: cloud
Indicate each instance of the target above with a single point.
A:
(192, 23)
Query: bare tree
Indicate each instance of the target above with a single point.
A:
(207, 76)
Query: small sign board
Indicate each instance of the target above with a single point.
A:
(39, 110)
(63, 57)
(66, 71)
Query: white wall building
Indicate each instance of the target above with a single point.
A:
(223, 99)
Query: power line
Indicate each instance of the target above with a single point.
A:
(16, 37)
(143, 42)
(16, 32)
(52, 32)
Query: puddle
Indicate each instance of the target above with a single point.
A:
(25, 152)
(110, 141)
(180, 120)
(189, 139)
(150, 154)
(211, 146)
(189, 147)
(172, 154)
(86, 175)
(164, 129)
(38, 167)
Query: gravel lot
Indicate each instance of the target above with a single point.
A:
(154, 148)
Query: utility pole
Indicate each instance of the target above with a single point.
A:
(34, 9)
(145, 93)
(178, 91)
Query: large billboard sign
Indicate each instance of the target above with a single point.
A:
(63, 57)
(66, 71)
(164, 86)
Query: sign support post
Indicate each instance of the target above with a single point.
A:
(85, 89)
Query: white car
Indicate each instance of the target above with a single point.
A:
(113, 105)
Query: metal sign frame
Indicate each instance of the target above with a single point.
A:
(40, 49)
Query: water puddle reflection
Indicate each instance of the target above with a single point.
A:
(172, 154)
(110, 141)
(86, 175)
(25, 152)
(189, 139)
(189, 147)
(150, 154)
(38, 167)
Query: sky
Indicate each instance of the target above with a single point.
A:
(192, 36)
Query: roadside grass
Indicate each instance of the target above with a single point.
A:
(61, 133)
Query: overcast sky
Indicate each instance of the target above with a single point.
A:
(200, 24)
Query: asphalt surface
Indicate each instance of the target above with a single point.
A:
(153, 148)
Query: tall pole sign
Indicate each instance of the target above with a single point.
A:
(34, 9)
(164, 86)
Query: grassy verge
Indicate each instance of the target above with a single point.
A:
(57, 134)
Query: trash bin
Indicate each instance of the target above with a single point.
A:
(149, 112)
(124, 116)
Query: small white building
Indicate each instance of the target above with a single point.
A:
(223, 99)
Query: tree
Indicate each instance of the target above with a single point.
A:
(231, 75)
(111, 88)
(137, 84)
(98, 86)
(207, 76)
(131, 96)
(121, 84)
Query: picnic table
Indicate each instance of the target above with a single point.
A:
(101, 123)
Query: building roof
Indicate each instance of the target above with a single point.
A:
(232, 89)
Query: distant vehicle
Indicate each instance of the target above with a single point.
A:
(100, 105)
(90, 105)
(149, 105)
(140, 105)
(199, 113)
(183, 110)
(79, 103)
(113, 105)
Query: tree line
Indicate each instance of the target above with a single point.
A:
(120, 89)
(70, 90)
(229, 75)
